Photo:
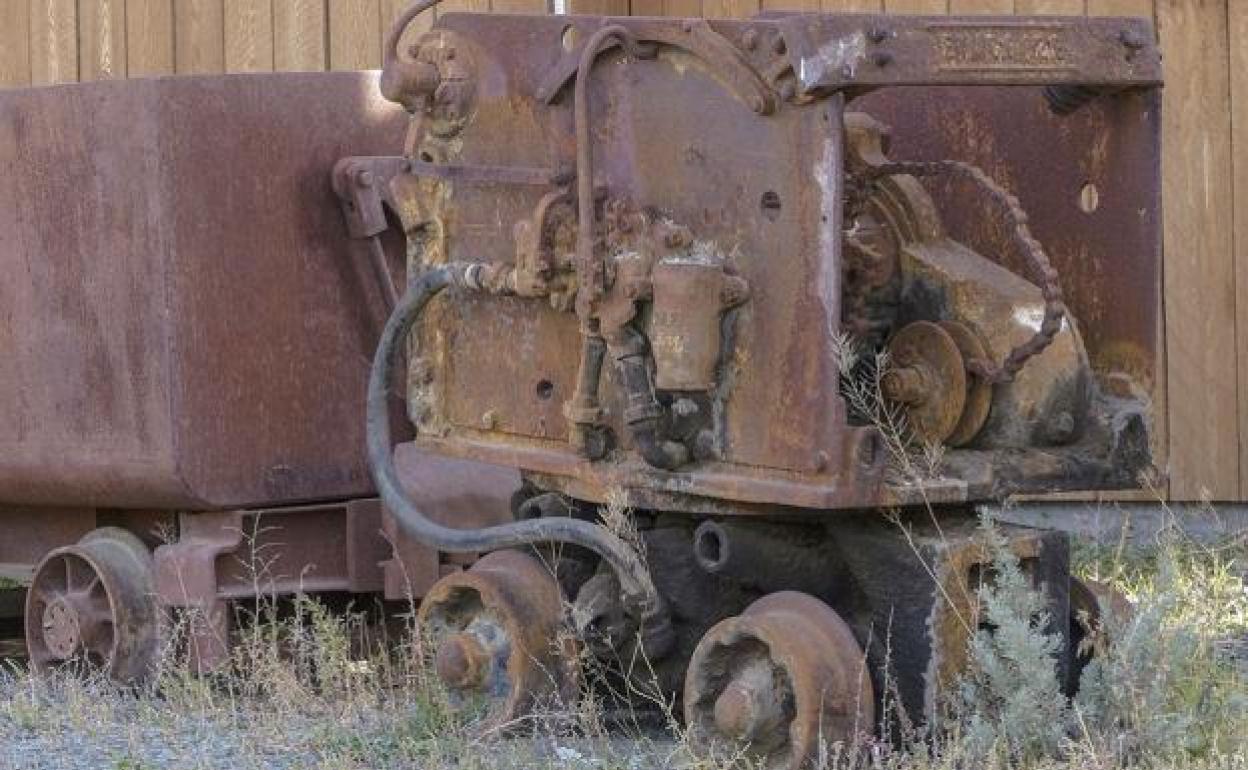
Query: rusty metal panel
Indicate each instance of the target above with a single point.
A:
(184, 323)
(1091, 185)
(760, 188)
(834, 51)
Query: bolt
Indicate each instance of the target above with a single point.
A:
(489, 419)
(364, 178)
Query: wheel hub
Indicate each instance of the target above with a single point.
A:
(779, 679)
(750, 706)
(494, 632)
(62, 628)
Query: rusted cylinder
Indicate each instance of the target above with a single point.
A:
(684, 327)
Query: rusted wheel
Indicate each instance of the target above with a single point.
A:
(494, 631)
(978, 390)
(928, 377)
(93, 603)
(1091, 604)
(781, 678)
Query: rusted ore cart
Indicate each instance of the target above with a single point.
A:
(635, 249)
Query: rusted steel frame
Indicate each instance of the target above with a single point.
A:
(500, 175)
(834, 52)
(694, 36)
(1038, 262)
(230, 555)
(362, 184)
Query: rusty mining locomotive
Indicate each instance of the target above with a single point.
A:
(635, 252)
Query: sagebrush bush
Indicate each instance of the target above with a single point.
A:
(1009, 703)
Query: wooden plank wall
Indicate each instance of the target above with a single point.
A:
(1205, 188)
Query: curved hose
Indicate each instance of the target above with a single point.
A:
(640, 596)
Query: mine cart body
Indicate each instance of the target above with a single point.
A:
(175, 282)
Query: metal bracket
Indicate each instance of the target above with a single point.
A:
(362, 185)
(832, 52)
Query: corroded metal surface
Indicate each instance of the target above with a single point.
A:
(783, 679)
(185, 322)
(494, 632)
(1109, 246)
(726, 399)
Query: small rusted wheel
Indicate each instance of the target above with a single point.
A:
(978, 390)
(93, 603)
(927, 376)
(494, 631)
(781, 678)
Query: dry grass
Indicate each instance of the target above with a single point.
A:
(310, 688)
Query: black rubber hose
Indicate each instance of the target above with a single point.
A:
(641, 599)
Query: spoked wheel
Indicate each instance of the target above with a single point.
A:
(778, 680)
(494, 631)
(93, 603)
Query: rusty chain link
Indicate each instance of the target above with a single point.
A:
(1037, 261)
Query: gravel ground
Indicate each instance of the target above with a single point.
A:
(77, 728)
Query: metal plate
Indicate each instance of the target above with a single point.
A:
(182, 320)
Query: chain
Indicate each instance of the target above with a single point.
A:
(1037, 261)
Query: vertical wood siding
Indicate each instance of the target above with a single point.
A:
(1205, 157)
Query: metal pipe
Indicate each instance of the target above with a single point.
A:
(641, 598)
(590, 276)
(396, 79)
(583, 411)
